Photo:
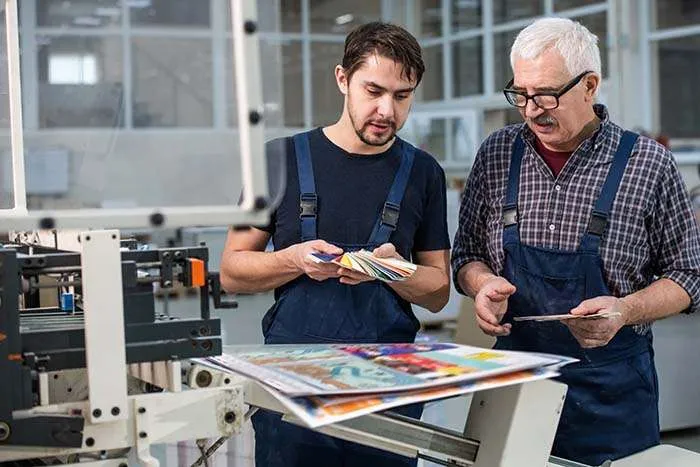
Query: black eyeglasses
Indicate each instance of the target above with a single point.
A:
(543, 100)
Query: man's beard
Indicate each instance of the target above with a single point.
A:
(367, 137)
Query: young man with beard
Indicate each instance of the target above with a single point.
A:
(570, 213)
(350, 185)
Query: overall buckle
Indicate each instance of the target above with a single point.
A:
(308, 204)
(390, 214)
(510, 216)
(598, 223)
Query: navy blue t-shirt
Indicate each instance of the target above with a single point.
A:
(352, 189)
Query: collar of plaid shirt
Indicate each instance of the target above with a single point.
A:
(600, 135)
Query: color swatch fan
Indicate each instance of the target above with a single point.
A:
(384, 269)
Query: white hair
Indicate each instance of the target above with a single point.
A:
(576, 44)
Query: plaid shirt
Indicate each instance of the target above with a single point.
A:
(651, 231)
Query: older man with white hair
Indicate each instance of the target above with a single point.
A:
(570, 214)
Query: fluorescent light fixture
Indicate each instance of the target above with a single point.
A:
(87, 21)
(344, 19)
(111, 12)
(138, 3)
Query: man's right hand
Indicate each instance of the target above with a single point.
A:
(318, 271)
(491, 304)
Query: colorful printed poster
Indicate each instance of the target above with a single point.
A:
(316, 369)
(315, 411)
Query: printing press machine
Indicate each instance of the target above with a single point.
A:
(65, 394)
(99, 378)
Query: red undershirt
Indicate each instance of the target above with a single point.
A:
(555, 160)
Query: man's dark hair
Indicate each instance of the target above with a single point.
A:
(387, 40)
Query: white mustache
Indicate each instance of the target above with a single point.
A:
(543, 120)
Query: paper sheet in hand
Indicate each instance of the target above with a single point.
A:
(567, 316)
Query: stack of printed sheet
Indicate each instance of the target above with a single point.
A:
(322, 384)
(384, 269)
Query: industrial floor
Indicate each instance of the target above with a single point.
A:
(242, 326)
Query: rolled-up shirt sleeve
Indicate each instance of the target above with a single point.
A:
(675, 236)
(470, 239)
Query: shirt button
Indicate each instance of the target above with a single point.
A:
(557, 187)
(551, 227)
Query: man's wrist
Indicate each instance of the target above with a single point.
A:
(627, 307)
(484, 279)
(474, 276)
(287, 259)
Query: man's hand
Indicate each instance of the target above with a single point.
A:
(592, 333)
(299, 254)
(352, 277)
(491, 304)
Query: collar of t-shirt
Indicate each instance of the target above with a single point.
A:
(555, 160)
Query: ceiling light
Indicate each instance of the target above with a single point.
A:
(87, 21)
(344, 19)
(138, 3)
(112, 12)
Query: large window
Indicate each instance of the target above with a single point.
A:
(170, 13)
(80, 81)
(429, 14)
(81, 76)
(341, 16)
(478, 36)
(467, 67)
(678, 89)
(283, 96)
(172, 82)
(511, 10)
(598, 25)
(293, 89)
(560, 5)
(466, 15)
(167, 63)
(433, 87)
(502, 71)
(286, 17)
(154, 63)
(327, 99)
(427, 132)
(79, 13)
(675, 13)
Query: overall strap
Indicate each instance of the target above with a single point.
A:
(510, 204)
(308, 201)
(601, 211)
(389, 217)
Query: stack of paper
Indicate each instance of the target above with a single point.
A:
(323, 384)
(315, 411)
(384, 269)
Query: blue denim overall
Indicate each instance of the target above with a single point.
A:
(310, 311)
(611, 408)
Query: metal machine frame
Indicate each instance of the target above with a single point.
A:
(38, 345)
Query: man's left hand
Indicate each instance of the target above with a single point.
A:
(592, 333)
(352, 277)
